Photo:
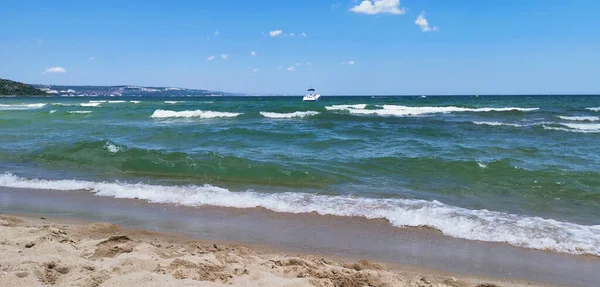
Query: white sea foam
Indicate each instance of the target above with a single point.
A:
(117, 102)
(485, 225)
(89, 104)
(497, 124)
(135, 102)
(298, 114)
(192, 114)
(174, 102)
(112, 147)
(594, 109)
(103, 101)
(52, 111)
(575, 127)
(583, 127)
(580, 118)
(14, 107)
(345, 107)
(79, 112)
(394, 110)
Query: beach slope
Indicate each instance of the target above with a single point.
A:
(53, 252)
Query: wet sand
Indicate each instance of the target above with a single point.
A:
(404, 250)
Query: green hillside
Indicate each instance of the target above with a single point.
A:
(12, 88)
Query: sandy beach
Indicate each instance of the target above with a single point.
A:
(39, 251)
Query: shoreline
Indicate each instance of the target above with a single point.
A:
(328, 236)
(61, 252)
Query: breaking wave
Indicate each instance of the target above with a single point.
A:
(580, 118)
(298, 114)
(394, 110)
(192, 114)
(497, 124)
(484, 225)
(13, 107)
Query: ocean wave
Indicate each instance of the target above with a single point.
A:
(102, 101)
(583, 127)
(497, 124)
(117, 102)
(209, 167)
(394, 110)
(135, 102)
(484, 225)
(14, 107)
(298, 114)
(89, 104)
(111, 147)
(192, 114)
(64, 105)
(174, 102)
(79, 112)
(580, 118)
(594, 109)
(345, 107)
(575, 127)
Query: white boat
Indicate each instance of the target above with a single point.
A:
(312, 96)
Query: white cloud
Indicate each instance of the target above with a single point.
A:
(253, 54)
(292, 34)
(92, 58)
(291, 69)
(210, 58)
(57, 70)
(424, 25)
(349, 63)
(217, 33)
(373, 7)
(275, 33)
(225, 57)
(303, 34)
(298, 64)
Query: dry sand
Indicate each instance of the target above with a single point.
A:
(38, 252)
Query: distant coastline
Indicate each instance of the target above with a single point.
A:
(14, 88)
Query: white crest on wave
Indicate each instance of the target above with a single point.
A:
(112, 147)
(496, 124)
(297, 114)
(10, 107)
(192, 114)
(89, 104)
(580, 118)
(394, 110)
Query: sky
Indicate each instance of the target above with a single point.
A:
(370, 47)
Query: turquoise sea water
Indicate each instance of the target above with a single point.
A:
(518, 169)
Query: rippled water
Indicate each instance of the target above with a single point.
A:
(523, 170)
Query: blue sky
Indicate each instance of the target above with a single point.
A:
(349, 47)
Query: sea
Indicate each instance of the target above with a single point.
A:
(522, 170)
